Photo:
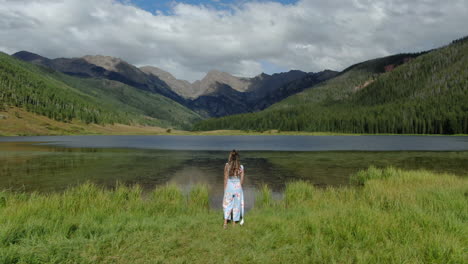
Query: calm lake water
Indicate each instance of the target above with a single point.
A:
(49, 164)
(266, 143)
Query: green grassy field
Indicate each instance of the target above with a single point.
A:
(388, 216)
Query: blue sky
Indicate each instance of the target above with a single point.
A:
(165, 5)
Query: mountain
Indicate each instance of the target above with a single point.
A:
(217, 94)
(207, 85)
(104, 67)
(221, 94)
(214, 78)
(181, 87)
(66, 98)
(225, 94)
(423, 93)
(221, 100)
(274, 88)
(264, 84)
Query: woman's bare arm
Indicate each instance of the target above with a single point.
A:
(225, 175)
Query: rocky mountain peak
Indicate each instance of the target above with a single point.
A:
(181, 87)
(106, 62)
(214, 76)
(263, 75)
(157, 72)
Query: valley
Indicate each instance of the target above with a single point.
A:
(137, 131)
(389, 95)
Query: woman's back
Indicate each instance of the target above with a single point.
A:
(235, 173)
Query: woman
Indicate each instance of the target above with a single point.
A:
(233, 202)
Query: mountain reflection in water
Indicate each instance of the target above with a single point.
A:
(45, 168)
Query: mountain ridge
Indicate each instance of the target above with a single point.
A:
(259, 95)
(209, 96)
(65, 98)
(119, 70)
(182, 87)
(418, 93)
(415, 93)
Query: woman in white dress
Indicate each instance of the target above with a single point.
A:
(233, 201)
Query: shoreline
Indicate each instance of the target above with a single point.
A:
(218, 133)
(18, 122)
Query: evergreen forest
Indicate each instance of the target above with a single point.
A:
(424, 93)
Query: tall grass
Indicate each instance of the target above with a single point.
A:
(263, 198)
(392, 216)
(373, 173)
(298, 193)
(168, 200)
(198, 199)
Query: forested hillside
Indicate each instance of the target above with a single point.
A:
(64, 98)
(407, 93)
(103, 67)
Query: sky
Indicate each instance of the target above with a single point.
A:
(165, 5)
(188, 38)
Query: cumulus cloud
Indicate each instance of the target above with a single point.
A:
(190, 40)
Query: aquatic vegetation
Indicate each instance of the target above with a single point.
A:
(372, 173)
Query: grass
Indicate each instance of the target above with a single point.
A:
(18, 122)
(363, 176)
(392, 216)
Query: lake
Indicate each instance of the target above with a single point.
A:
(49, 164)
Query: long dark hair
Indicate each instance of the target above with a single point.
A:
(234, 163)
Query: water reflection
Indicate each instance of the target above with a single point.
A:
(210, 172)
(29, 167)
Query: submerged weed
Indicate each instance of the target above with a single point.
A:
(373, 173)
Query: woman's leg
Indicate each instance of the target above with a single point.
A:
(227, 207)
(236, 208)
(228, 211)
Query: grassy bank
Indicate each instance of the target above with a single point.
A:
(18, 122)
(389, 216)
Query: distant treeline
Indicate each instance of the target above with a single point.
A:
(425, 95)
(418, 118)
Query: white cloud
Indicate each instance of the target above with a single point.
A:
(310, 35)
